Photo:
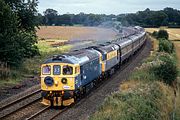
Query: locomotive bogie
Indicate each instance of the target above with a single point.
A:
(57, 98)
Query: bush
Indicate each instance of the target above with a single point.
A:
(166, 46)
(162, 66)
(167, 70)
(155, 34)
(162, 34)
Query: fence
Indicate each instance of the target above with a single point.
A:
(4, 70)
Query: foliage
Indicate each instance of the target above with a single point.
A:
(177, 111)
(17, 31)
(149, 18)
(162, 34)
(31, 66)
(26, 12)
(167, 70)
(155, 34)
(161, 66)
(8, 33)
(50, 16)
(143, 96)
(137, 101)
(166, 46)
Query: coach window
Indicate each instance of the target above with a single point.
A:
(67, 70)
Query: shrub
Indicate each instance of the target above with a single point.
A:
(151, 101)
(162, 34)
(167, 70)
(155, 34)
(166, 46)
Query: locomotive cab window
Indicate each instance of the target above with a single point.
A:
(56, 69)
(67, 70)
(46, 70)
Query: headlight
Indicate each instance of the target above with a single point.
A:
(48, 81)
(64, 80)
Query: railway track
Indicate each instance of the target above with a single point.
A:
(44, 112)
(55, 113)
(38, 113)
(19, 103)
(51, 115)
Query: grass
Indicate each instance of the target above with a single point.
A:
(178, 100)
(143, 96)
(137, 101)
(177, 46)
(14, 80)
(31, 67)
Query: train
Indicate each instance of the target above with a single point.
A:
(67, 77)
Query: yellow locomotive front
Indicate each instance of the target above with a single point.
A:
(58, 83)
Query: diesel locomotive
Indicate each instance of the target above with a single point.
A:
(67, 77)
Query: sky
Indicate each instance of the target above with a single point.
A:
(105, 6)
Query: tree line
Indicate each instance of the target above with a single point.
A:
(52, 17)
(147, 18)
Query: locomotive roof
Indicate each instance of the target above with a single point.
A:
(106, 48)
(75, 57)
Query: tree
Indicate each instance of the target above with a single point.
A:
(163, 34)
(26, 12)
(166, 46)
(149, 18)
(65, 19)
(50, 16)
(8, 34)
(17, 34)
